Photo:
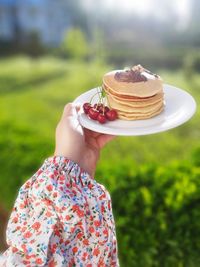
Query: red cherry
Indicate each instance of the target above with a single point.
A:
(98, 106)
(86, 107)
(104, 109)
(93, 113)
(101, 118)
(111, 115)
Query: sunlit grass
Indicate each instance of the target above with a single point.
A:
(150, 177)
(34, 92)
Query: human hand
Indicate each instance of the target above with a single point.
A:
(79, 144)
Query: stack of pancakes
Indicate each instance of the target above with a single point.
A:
(135, 93)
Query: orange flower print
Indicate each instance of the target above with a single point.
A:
(97, 223)
(91, 229)
(14, 249)
(36, 225)
(102, 196)
(15, 220)
(62, 177)
(27, 234)
(79, 235)
(75, 249)
(80, 213)
(62, 217)
(22, 206)
(105, 232)
(97, 234)
(85, 254)
(24, 228)
(75, 207)
(53, 248)
(49, 214)
(102, 208)
(109, 205)
(55, 194)
(67, 217)
(96, 252)
(26, 262)
(86, 242)
(28, 257)
(49, 187)
(52, 263)
(23, 246)
(39, 261)
(90, 186)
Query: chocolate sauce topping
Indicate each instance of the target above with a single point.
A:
(148, 71)
(130, 76)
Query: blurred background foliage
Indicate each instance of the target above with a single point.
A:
(52, 51)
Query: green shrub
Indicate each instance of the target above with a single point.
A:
(20, 157)
(75, 44)
(156, 206)
(157, 216)
(191, 63)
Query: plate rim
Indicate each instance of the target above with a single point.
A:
(146, 131)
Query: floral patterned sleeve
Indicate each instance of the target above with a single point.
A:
(62, 217)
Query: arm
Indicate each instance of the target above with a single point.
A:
(42, 202)
(79, 144)
(40, 205)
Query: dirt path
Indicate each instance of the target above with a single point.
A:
(4, 215)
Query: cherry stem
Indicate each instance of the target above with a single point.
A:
(101, 96)
(99, 93)
(93, 97)
(102, 99)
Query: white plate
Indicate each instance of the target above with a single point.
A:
(179, 108)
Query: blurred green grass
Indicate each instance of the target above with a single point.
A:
(154, 180)
(33, 93)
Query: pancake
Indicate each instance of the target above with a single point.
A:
(138, 102)
(130, 98)
(139, 116)
(135, 93)
(140, 107)
(152, 86)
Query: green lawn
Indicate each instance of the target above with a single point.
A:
(32, 96)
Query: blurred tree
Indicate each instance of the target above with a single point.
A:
(98, 49)
(75, 44)
(194, 28)
(191, 63)
(33, 45)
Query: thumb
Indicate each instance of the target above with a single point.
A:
(103, 139)
(70, 109)
(67, 110)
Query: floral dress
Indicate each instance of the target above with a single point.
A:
(62, 217)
